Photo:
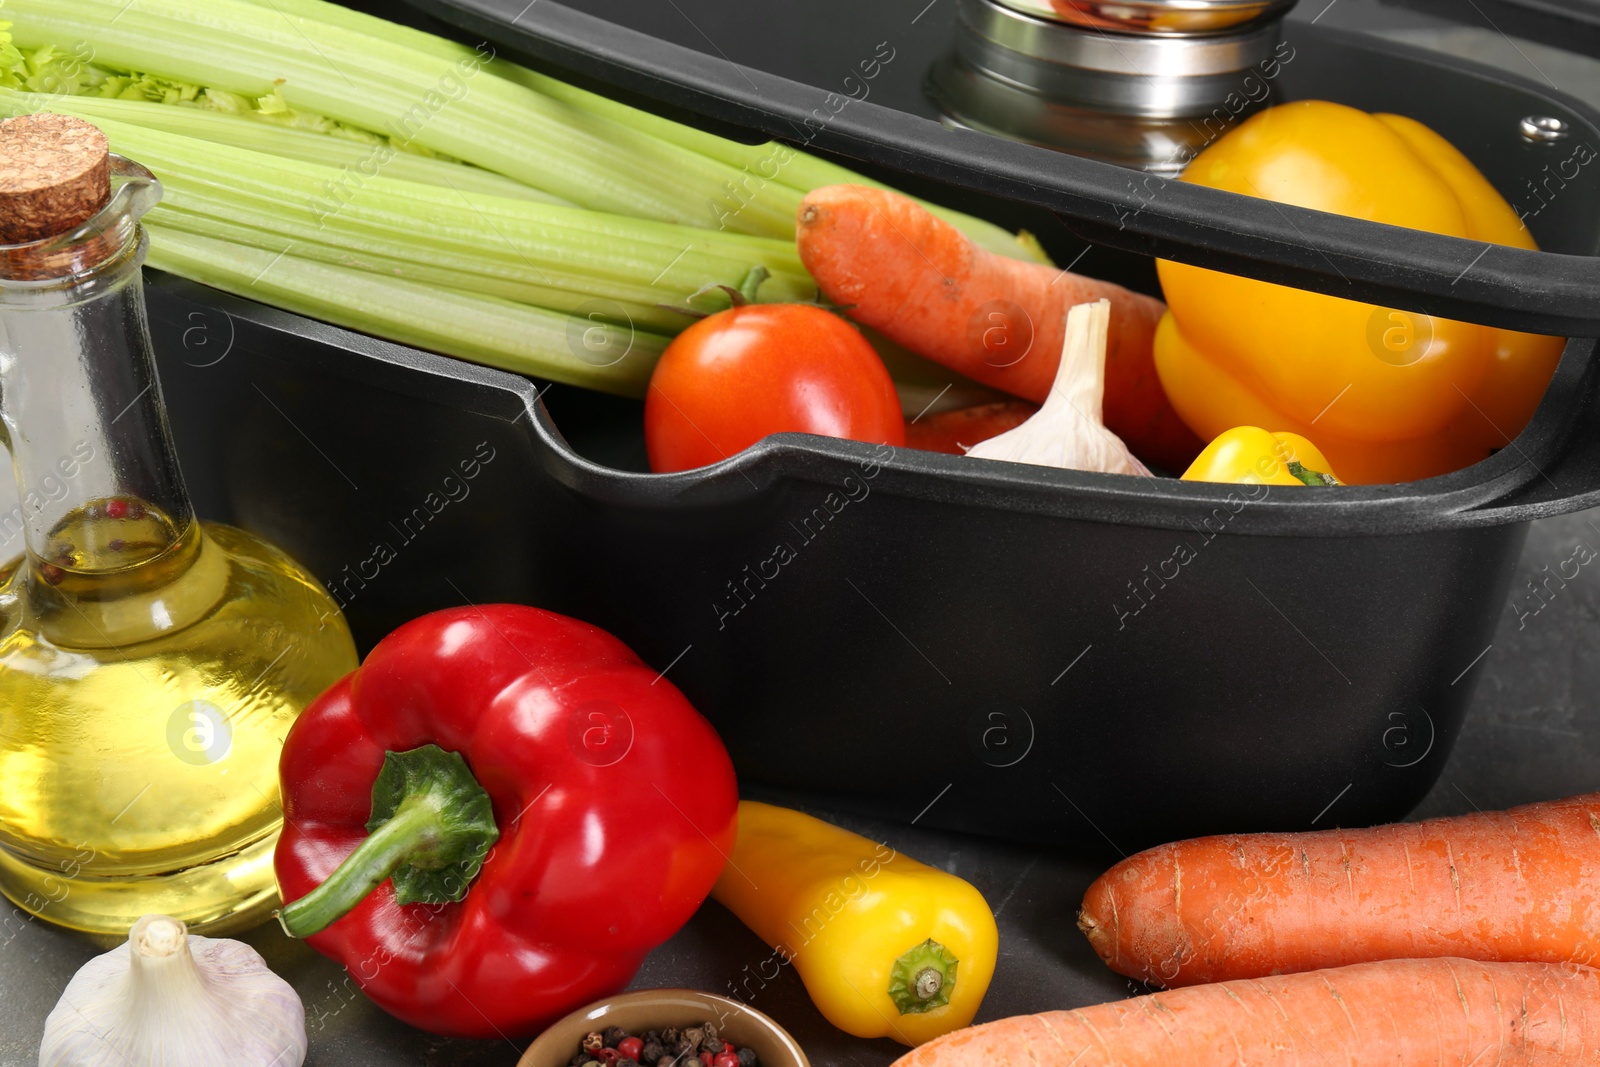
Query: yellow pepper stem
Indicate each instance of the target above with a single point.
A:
(845, 910)
(923, 978)
(1311, 477)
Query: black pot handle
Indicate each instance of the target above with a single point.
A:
(1538, 292)
(1570, 25)
(1561, 451)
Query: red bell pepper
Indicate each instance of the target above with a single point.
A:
(504, 810)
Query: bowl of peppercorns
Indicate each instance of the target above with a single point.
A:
(665, 1028)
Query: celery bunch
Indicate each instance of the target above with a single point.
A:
(394, 182)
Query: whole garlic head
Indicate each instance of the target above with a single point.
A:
(168, 998)
(1067, 430)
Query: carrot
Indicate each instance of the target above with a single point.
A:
(959, 429)
(1521, 885)
(1000, 321)
(1401, 1013)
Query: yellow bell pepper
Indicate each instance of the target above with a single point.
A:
(1389, 395)
(886, 946)
(1251, 454)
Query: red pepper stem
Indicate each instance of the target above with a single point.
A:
(430, 833)
(385, 851)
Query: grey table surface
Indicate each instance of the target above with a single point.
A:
(1532, 734)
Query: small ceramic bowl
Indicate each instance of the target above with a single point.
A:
(653, 1009)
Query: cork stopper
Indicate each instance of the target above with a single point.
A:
(55, 174)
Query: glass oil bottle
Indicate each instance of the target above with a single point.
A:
(150, 664)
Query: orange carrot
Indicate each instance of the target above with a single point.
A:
(1001, 321)
(1521, 885)
(959, 429)
(1401, 1013)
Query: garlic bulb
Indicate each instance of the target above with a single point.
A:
(1067, 430)
(167, 998)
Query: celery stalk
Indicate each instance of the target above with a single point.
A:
(450, 107)
(484, 329)
(735, 186)
(762, 163)
(354, 159)
(551, 245)
(329, 198)
(803, 173)
(178, 212)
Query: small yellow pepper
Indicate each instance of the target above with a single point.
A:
(1251, 454)
(1389, 395)
(886, 946)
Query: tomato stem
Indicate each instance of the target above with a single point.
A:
(743, 296)
(751, 285)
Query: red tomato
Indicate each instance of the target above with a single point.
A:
(735, 377)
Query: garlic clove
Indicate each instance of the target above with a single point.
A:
(1067, 430)
(168, 998)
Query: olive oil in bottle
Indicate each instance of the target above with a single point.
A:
(150, 664)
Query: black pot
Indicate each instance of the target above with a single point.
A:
(1000, 648)
(1007, 649)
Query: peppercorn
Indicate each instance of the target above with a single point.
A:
(579, 1058)
(593, 1042)
(711, 1031)
(625, 1062)
(669, 1037)
(712, 1045)
(613, 1035)
(650, 1037)
(652, 1051)
(692, 1038)
(747, 1057)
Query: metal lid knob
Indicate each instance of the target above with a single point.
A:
(1155, 17)
(1145, 95)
